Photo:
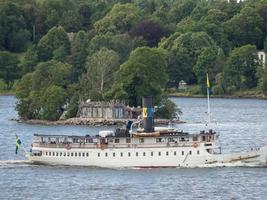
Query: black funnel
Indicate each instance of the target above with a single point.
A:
(148, 114)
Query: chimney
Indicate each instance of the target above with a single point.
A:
(148, 114)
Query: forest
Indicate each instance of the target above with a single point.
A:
(56, 53)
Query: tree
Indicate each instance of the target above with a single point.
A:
(101, 67)
(240, 69)
(182, 9)
(184, 50)
(151, 31)
(9, 69)
(119, 20)
(29, 61)
(14, 35)
(78, 54)
(143, 74)
(122, 44)
(245, 28)
(43, 93)
(55, 44)
(84, 11)
(210, 62)
(52, 101)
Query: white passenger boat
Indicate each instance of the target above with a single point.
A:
(144, 148)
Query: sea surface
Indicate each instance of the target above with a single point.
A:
(241, 123)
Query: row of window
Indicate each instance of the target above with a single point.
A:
(121, 154)
(128, 140)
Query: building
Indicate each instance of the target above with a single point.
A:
(262, 58)
(100, 109)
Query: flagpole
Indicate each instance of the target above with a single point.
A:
(208, 97)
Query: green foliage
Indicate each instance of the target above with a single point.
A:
(3, 85)
(150, 31)
(29, 61)
(14, 35)
(100, 67)
(210, 62)
(52, 101)
(119, 20)
(123, 44)
(167, 109)
(78, 54)
(9, 69)
(240, 70)
(54, 45)
(42, 93)
(184, 50)
(143, 74)
(245, 28)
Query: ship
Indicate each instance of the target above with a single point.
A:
(146, 147)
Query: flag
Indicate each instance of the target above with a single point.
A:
(208, 85)
(18, 143)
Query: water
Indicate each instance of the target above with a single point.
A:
(242, 124)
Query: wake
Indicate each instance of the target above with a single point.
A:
(14, 163)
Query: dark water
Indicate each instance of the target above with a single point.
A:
(242, 124)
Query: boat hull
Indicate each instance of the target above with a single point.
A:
(148, 158)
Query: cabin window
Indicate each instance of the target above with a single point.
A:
(53, 153)
(198, 152)
(159, 153)
(136, 153)
(142, 140)
(60, 153)
(129, 154)
(98, 154)
(174, 153)
(71, 154)
(64, 153)
(110, 140)
(106, 154)
(167, 153)
(49, 153)
(89, 140)
(171, 140)
(158, 139)
(46, 153)
(195, 138)
(151, 153)
(79, 154)
(68, 154)
(117, 140)
(128, 140)
(190, 152)
(121, 154)
(203, 138)
(87, 154)
(144, 153)
(114, 154)
(83, 154)
(182, 153)
(184, 139)
(75, 154)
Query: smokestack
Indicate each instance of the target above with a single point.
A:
(148, 114)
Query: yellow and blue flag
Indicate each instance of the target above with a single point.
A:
(18, 143)
(208, 85)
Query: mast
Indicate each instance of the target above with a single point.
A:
(208, 98)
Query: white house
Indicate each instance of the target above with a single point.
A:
(262, 57)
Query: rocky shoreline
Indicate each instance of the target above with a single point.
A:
(93, 122)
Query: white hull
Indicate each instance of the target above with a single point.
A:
(142, 158)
